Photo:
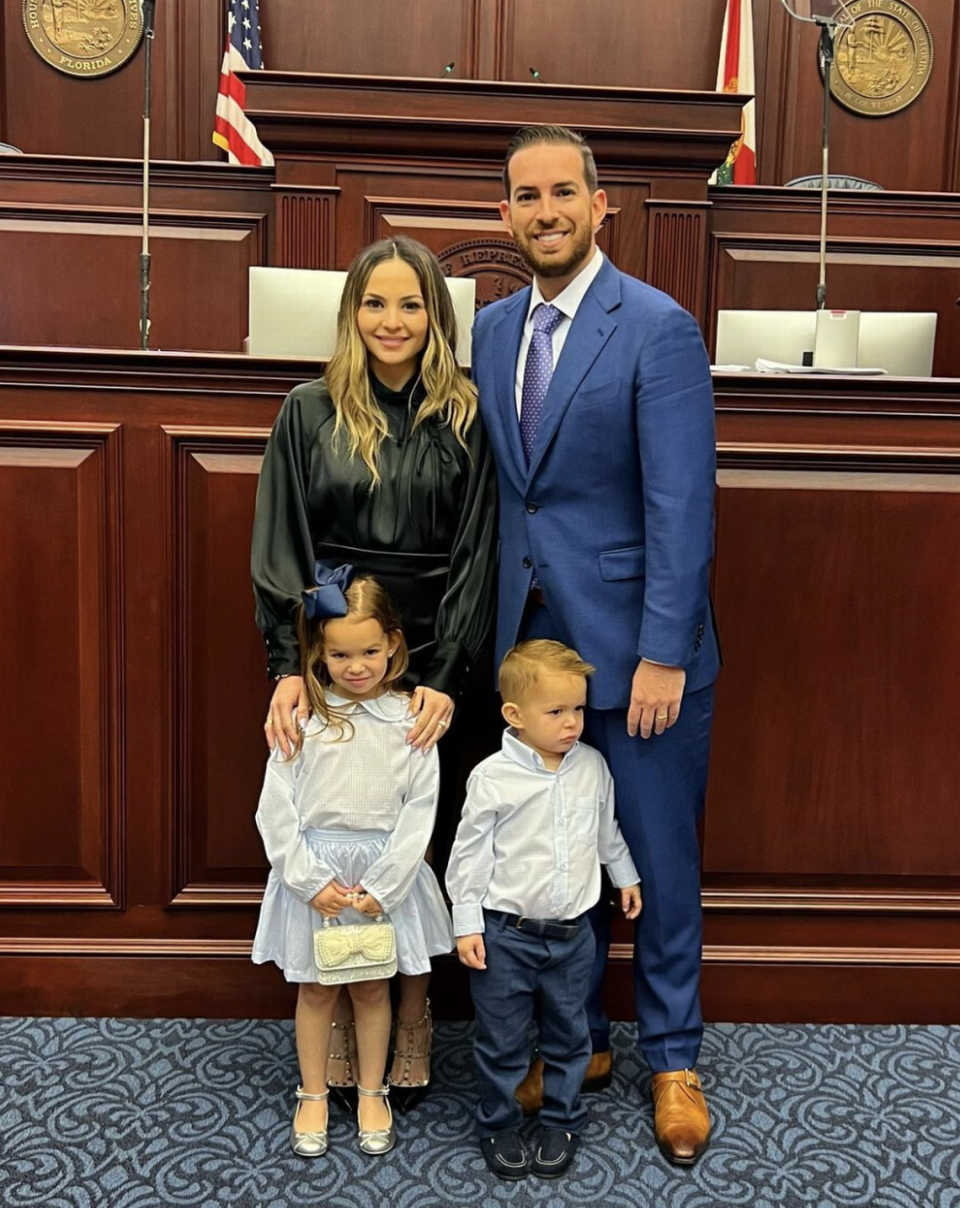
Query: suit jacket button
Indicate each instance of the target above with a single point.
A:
(527, 563)
(533, 508)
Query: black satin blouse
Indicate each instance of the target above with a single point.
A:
(427, 532)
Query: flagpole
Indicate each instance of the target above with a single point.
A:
(149, 9)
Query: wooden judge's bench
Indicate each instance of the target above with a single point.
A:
(135, 688)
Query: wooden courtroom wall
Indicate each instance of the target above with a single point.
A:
(886, 251)
(133, 750)
(605, 42)
(70, 242)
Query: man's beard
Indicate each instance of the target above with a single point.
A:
(581, 240)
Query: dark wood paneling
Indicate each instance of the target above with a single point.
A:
(619, 42)
(398, 163)
(70, 232)
(220, 662)
(829, 891)
(54, 263)
(50, 113)
(909, 149)
(886, 251)
(824, 657)
(367, 37)
(739, 985)
(59, 587)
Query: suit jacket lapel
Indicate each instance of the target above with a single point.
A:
(592, 326)
(505, 342)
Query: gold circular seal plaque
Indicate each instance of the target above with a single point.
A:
(84, 37)
(883, 62)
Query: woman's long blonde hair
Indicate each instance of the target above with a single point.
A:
(449, 392)
(366, 600)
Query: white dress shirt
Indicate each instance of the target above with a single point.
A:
(567, 302)
(372, 781)
(531, 841)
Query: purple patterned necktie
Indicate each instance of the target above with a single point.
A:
(537, 372)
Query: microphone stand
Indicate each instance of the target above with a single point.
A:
(828, 34)
(149, 10)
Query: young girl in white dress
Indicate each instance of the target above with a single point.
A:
(345, 823)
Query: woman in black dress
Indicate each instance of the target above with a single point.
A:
(384, 464)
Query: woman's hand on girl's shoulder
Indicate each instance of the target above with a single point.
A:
(287, 715)
(433, 711)
(332, 899)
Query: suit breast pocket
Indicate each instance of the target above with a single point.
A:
(601, 395)
(586, 820)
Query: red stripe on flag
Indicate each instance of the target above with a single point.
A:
(731, 66)
(745, 167)
(234, 88)
(249, 159)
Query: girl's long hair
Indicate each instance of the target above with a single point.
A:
(366, 600)
(449, 392)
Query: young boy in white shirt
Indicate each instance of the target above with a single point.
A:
(524, 870)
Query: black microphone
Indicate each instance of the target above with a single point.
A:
(536, 74)
(448, 70)
(149, 11)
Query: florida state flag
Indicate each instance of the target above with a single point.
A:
(736, 74)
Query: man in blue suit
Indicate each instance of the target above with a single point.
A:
(595, 390)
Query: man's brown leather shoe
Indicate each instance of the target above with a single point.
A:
(681, 1119)
(599, 1073)
(598, 1076)
(529, 1094)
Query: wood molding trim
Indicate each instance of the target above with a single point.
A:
(834, 902)
(901, 958)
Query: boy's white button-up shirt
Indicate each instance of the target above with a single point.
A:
(531, 841)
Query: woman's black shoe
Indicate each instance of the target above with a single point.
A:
(406, 1098)
(345, 1097)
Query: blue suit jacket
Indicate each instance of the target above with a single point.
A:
(615, 509)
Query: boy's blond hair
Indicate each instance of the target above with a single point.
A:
(524, 663)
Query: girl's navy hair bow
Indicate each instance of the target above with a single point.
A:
(327, 599)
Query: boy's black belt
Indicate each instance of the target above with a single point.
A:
(548, 929)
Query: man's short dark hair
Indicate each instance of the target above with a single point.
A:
(531, 136)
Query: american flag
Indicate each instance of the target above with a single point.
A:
(232, 129)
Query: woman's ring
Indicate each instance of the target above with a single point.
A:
(441, 722)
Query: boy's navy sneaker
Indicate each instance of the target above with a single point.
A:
(505, 1155)
(554, 1153)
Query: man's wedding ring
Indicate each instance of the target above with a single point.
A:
(662, 716)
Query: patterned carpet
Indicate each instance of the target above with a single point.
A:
(141, 1113)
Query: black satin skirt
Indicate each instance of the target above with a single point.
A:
(416, 584)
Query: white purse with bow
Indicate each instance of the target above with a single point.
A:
(350, 952)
